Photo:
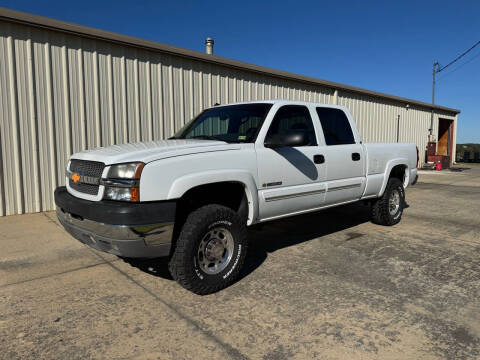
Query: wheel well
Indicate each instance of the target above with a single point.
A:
(398, 171)
(229, 193)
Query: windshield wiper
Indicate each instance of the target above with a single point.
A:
(205, 137)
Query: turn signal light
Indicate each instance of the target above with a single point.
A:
(135, 194)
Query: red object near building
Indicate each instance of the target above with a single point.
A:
(438, 166)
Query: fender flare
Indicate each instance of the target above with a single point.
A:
(181, 185)
(388, 169)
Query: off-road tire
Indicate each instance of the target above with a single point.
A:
(380, 207)
(183, 266)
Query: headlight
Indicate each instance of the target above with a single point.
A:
(126, 171)
(121, 194)
(123, 181)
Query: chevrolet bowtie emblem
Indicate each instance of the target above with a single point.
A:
(75, 178)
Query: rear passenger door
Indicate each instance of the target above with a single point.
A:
(344, 157)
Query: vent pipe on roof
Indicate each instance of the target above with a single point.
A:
(209, 46)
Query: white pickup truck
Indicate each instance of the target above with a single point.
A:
(192, 197)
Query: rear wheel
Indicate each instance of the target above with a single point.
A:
(388, 209)
(210, 250)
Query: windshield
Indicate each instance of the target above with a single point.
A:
(233, 123)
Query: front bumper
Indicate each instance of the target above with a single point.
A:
(137, 230)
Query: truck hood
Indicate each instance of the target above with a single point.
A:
(152, 150)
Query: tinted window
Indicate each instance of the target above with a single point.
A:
(335, 125)
(233, 123)
(290, 118)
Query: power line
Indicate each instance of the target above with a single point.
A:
(458, 57)
(437, 69)
(459, 67)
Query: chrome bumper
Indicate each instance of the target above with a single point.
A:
(139, 241)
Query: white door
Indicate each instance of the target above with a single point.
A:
(344, 157)
(292, 179)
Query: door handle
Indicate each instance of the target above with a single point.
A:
(318, 159)
(355, 156)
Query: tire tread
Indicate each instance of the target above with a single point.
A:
(380, 211)
(179, 263)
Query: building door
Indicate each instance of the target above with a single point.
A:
(445, 136)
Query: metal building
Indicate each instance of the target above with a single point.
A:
(65, 88)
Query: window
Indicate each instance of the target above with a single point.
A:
(231, 123)
(336, 128)
(291, 118)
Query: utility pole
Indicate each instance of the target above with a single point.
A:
(398, 127)
(434, 72)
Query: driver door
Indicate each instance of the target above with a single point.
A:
(292, 179)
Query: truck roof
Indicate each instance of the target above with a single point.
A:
(284, 102)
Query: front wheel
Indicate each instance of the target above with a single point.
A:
(388, 209)
(210, 250)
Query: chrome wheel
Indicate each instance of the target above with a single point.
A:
(215, 250)
(394, 202)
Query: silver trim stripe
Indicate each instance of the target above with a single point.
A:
(282, 197)
(306, 193)
(345, 187)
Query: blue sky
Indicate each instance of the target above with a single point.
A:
(386, 46)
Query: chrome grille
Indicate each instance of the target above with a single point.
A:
(92, 169)
(87, 168)
(84, 188)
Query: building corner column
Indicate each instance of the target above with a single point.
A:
(454, 145)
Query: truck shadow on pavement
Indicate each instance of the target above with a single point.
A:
(274, 235)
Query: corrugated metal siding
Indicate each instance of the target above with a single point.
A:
(62, 93)
(377, 120)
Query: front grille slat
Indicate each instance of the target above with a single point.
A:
(84, 188)
(86, 168)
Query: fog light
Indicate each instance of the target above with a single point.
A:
(122, 193)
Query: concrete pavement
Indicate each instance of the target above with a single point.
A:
(329, 285)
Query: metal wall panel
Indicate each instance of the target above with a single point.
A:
(62, 93)
(378, 121)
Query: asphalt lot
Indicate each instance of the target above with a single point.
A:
(329, 285)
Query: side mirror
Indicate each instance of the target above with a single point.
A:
(292, 139)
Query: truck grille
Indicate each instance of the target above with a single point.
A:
(84, 188)
(92, 169)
